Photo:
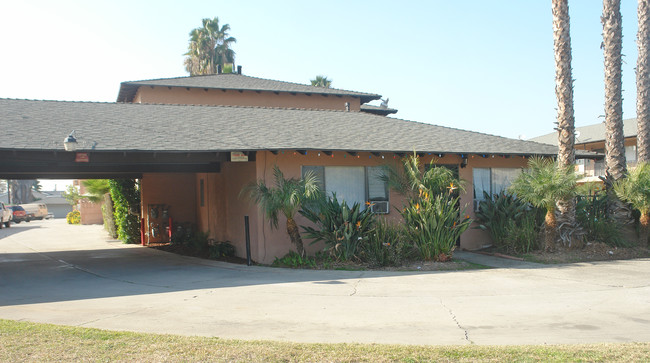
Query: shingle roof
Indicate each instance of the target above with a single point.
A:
(232, 81)
(377, 110)
(591, 133)
(42, 125)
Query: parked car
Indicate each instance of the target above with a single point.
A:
(19, 214)
(6, 216)
(35, 210)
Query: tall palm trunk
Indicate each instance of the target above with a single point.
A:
(294, 235)
(615, 162)
(643, 82)
(612, 45)
(564, 94)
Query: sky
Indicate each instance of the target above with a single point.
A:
(478, 65)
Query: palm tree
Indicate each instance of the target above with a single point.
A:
(411, 180)
(287, 198)
(612, 44)
(643, 82)
(96, 189)
(564, 94)
(635, 189)
(209, 47)
(321, 81)
(542, 185)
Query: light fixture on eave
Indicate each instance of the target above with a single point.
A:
(70, 142)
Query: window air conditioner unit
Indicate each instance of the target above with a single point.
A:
(379, 207)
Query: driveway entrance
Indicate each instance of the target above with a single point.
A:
(73, 275)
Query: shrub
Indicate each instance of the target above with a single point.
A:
(73, 217)
(511, 222)
(386, 246)
(434, 224)
(221, 249)
(294, 260)
(126, 202)
(522, 236)
(591, 213)
(342, 228)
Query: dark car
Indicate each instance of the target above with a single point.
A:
(19, 214)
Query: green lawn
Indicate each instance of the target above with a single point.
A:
(21, 341)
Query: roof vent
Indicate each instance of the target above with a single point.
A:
(238, 69)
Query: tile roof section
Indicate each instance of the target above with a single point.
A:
(591, 133)
(42, 125)
(232, 81)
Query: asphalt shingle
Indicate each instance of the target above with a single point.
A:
(232, 81)
(42, 125)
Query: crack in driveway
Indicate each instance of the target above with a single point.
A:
(455, 319)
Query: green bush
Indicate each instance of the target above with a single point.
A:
(591, 213)
(386, 246)
(294, 260)
(342, 228)
(434, 224)
(522, 236)
(126, 204)
(73, 217)
(222, 249)
(511, 222)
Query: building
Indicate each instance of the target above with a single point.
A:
(592, 138)
(194, 142)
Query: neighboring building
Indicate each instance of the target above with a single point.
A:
(194, 142)
(57, 205)
(592, 138)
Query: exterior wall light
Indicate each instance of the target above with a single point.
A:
(70, 142)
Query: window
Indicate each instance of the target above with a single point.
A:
(492, 181)
(354, 184)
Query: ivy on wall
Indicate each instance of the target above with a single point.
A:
(126, 203)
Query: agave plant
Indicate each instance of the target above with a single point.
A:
(343, 228)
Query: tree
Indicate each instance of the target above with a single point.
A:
(209, 47)
(564, 94)
(321, 81)
(635, 189)
(36, 185)
(96, 189)
(20, 191)
(612, 45)
(72, 196)
(543, 184)
(643, 82)
(411, 180)
(286, 198)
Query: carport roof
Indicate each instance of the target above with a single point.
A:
(42, 125)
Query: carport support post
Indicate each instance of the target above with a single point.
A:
(248, 241)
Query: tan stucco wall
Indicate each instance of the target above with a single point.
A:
(473, 238)
(200, 96)
(91, 213)
(178, 190)
(276, 242)
(224, 210)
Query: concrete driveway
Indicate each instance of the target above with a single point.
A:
(73, 275)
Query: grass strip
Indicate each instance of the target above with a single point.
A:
(23, 341)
